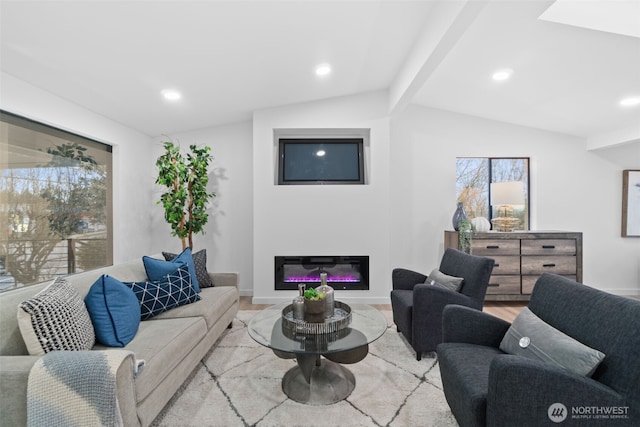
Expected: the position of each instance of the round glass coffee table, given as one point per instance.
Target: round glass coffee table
(319, 377)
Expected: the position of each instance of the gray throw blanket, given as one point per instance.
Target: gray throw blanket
(76, 388)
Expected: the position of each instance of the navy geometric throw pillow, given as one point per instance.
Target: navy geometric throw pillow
(172, 291)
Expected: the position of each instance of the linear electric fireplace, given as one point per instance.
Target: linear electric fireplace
(343, 272)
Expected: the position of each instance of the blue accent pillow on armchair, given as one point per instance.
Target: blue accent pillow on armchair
(157, 269)
(114, 311)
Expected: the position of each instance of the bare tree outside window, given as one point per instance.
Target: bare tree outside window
(474, 176)
(54, 203)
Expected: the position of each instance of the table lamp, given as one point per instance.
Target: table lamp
(503, 196)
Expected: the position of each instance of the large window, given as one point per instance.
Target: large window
(55, 203)
(474, 176)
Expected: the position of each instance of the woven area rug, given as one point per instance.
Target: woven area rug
(239, 384)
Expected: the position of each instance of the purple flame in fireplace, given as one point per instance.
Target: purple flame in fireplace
(315, 279)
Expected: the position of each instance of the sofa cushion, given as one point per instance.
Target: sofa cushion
(437, 278)
(157, 269)
(114, 311)
(56, 318)
(173, 290)
(200, 265)
(163, 344)
(214, 302)
(531, 337)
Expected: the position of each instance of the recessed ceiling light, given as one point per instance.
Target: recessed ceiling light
(171, 94)
(323, 70)
(320, 153)
(501, 75)
(630, 101)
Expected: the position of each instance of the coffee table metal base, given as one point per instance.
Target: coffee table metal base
(327, 383)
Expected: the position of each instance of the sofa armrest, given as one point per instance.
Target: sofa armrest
(436, 298)
(467, 325)
(14, 374)
(126, 392)
(404, 279)
(224, 279)
(521, 391)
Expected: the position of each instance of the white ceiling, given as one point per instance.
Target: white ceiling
(230, 58)
(565, 78)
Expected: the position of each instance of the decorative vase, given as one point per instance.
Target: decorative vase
(298, 303)
(314, 310)
(458, 216)
(328, 294)
(481, 224)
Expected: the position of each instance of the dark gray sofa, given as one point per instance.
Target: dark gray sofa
(486, 387)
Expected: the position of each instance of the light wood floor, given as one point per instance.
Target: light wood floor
(504, 310)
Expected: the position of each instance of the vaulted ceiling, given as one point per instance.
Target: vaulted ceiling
(230, 58)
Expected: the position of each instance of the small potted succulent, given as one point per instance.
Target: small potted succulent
(314, 306)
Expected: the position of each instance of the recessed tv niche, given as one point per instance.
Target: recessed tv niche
(319, 161)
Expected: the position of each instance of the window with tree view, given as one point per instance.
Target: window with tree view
(474, 176)
(55, 203)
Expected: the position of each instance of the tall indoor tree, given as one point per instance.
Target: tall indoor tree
(186, 198)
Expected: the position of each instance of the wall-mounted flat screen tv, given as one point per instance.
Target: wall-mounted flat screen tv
(320, 161)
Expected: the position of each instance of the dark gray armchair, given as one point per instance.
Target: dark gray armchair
(417, 306)
(487, 387)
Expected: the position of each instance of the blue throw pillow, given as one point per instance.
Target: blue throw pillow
(114, 311)
(200, 264)
(159, 296)
(157, 269)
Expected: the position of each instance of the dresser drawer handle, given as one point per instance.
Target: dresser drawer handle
(493, 285)
(496, 265)
(548, 246)
(493, 247)
(548, 265)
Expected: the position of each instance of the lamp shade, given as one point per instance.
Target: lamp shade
(507, 193)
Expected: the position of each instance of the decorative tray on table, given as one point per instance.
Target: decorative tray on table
(341, 319)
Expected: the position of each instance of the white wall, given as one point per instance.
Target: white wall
(322, 220)
(572, 189)
(228, 235)
(398, 219)
(132, 166)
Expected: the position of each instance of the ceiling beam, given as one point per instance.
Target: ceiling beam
(614, 138)
(446, 23)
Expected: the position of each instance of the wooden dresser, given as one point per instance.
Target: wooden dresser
(522, 256)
